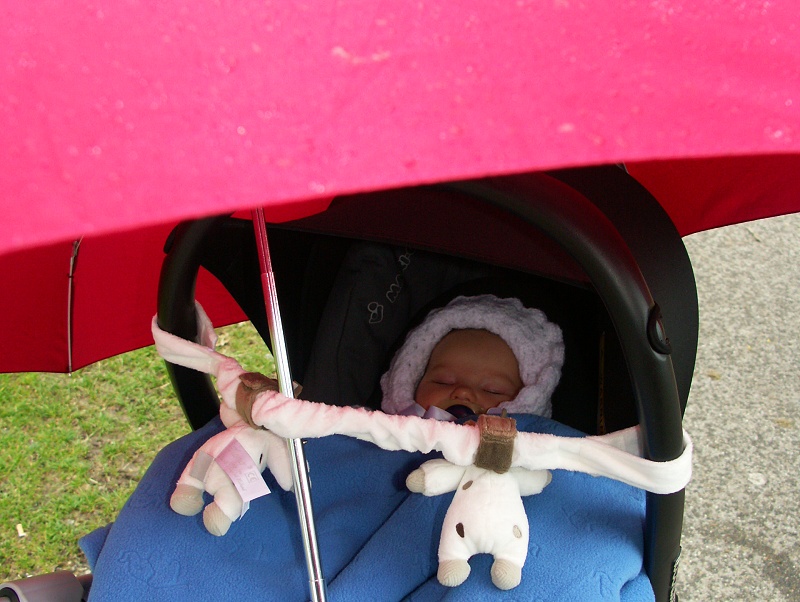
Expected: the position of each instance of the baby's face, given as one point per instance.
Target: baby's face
(474, 368)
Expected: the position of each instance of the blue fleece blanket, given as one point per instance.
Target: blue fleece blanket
(377, 540)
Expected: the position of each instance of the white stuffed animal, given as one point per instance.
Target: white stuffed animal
(486, 514)
(229, 465)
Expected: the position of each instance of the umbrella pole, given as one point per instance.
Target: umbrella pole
(302, 485)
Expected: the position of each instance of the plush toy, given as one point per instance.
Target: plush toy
(486, 514)
(229, 465)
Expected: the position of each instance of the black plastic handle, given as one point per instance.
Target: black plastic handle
(176, 314)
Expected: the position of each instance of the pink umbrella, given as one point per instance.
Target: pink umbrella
(128, 117)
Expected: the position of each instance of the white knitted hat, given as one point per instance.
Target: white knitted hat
(536, 342)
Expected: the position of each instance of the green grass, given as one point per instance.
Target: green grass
(73, 447)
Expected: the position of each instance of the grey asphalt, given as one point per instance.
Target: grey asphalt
(741, 538)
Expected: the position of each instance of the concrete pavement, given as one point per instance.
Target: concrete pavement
(741, 536)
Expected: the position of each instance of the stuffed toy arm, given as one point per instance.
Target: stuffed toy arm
(531, 482)
(228, 466)
(435, 477)
(294, 418)
(616, 455)
(439, 476)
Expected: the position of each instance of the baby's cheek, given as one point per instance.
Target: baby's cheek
(489, 401)
(422, 396)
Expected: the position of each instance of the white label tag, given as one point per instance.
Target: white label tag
(243, 472)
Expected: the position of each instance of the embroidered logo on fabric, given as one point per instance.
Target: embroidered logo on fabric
(376, 309)
(375, 312)
(397, 286)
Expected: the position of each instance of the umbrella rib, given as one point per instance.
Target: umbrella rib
(73, 262)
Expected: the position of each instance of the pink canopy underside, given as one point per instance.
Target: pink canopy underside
(120, 118)
(123, 114)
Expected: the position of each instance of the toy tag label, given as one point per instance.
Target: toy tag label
(243, 472)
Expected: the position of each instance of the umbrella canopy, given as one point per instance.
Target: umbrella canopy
(118, 119)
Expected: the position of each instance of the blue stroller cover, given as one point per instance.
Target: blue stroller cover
(377, 540)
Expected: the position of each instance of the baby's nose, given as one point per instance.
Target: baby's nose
(462, 392)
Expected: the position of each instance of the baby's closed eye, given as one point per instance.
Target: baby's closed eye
(498, 388)
(441, 377)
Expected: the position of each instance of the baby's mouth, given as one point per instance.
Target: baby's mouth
(460, 408)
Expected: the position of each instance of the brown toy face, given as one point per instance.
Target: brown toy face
(471, 368)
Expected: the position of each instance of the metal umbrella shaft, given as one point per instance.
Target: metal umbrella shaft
(302, 485)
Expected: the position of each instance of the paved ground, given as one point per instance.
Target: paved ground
(742, 527)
